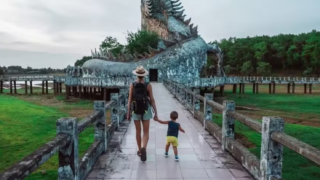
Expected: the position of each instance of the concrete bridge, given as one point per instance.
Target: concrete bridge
(206, 151)
(201, 156)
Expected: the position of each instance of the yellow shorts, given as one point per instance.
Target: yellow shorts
(172, 140)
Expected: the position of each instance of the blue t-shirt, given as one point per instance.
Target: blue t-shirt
(173, 129)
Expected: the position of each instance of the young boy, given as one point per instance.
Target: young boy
(172, 134)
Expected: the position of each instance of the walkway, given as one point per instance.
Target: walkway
(201, 157)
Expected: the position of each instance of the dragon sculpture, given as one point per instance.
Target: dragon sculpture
(181, 51)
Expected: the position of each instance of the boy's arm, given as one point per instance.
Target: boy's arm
(182, 130)
(162, 122)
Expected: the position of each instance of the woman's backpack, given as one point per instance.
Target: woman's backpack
(140, 98)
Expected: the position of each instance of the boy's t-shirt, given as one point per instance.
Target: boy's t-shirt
(173, 129)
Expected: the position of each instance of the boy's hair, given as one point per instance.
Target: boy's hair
(174, 115)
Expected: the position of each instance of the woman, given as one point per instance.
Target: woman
(141, 96)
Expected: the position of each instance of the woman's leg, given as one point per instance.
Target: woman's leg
(145, 125)
(138, 133)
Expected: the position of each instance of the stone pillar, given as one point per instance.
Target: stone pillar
(196, 101)
(105, 93)
(94, 93)
(293, 87)
(42, 87)
(54, 87)
(310, 88)
(31, 87)
(234, 88)
(115, 108)
(1, 86)
(68, 155)
(271, 151)
(254, 88)
(90, 92)
(60, 86)
(221, 91)
(15, 86)
(26, 87)
(274, 88)
(46, 86)
(243, 88)
(80, 92)
(208, 110)
(10, 86)
(67, 92)
(269, 88)
(100, 123)
(227, 123)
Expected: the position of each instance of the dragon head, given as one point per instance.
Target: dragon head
(166, 18)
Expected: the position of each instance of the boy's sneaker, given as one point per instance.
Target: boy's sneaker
(176, 158)
(166, 154)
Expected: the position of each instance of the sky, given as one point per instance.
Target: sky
(42, 33)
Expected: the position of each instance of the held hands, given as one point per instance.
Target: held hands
(156, 117)
(128, 116)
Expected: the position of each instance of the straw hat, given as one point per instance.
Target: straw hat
(140, 71)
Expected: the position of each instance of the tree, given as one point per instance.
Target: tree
(80, 62)
(139, 41)
(1, 71)
(247, 68)
(111, 44)
(263, 68)
(260, 50)
(228, 69)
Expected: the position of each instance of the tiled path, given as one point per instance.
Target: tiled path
(201, 157)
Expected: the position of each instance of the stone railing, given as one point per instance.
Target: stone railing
(220, 81)
(99, 82)
(271, 128)
(71, 166)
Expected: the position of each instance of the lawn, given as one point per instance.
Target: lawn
(295, 167)
(26, 126)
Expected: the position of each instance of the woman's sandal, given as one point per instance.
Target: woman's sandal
(138, 153)
(143, 154)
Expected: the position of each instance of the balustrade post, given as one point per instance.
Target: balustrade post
(31, 87)
(196, 101)
(15, 86)
(1, 86)
(293, 87)
(10, 86)
(100, 133)
(228, 123)
(68, 155)
(115, 109)
(46, 86)
(208, 110)
(271, 151)
(42, 87)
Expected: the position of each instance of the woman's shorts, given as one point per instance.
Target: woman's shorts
(146, 116)
(172, 140)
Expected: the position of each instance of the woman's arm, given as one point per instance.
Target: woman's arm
(129, 102)
(152, 101)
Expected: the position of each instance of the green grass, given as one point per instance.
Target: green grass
(295, 166)
(307, 104)
(25, 126)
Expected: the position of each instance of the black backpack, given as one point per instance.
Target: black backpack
(140, 98)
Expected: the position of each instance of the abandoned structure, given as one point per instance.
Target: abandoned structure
(181, 53)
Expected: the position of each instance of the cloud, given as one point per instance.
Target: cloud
(70, 29)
